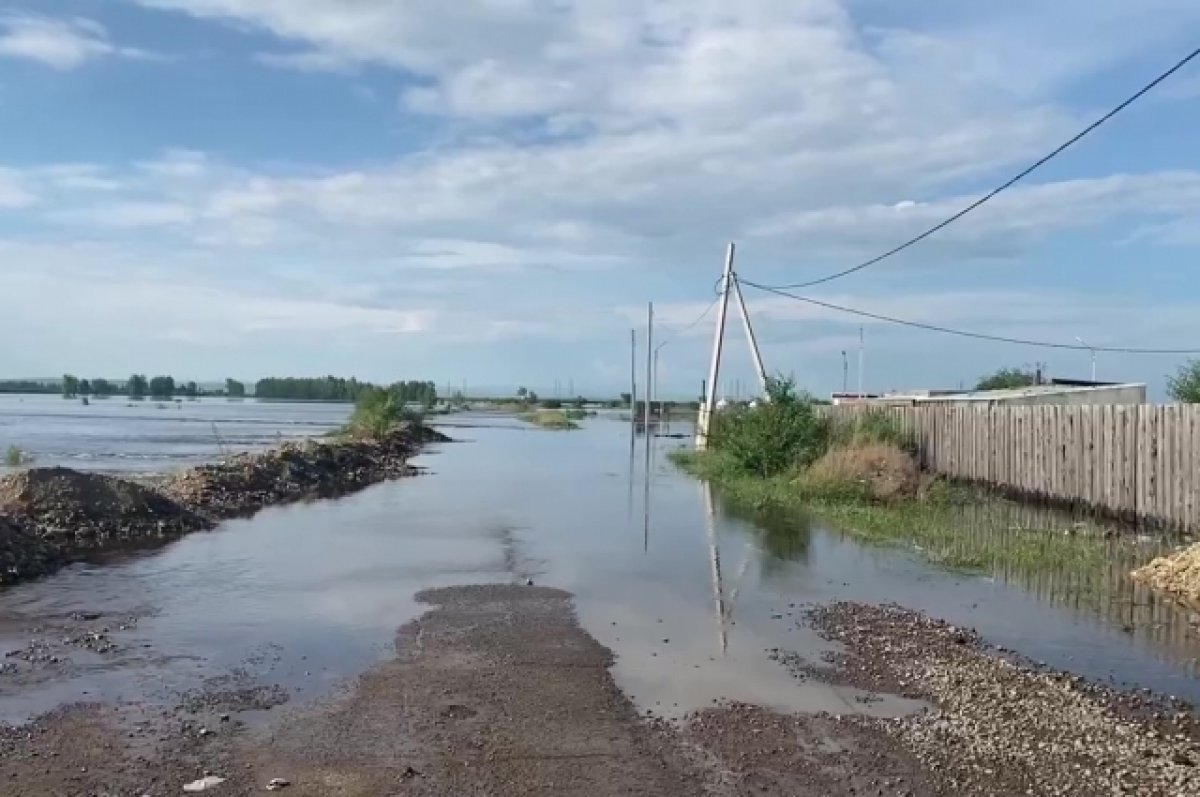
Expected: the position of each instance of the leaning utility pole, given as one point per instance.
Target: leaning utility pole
(755, 354)
(704, 422)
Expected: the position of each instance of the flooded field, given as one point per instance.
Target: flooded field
(115, 434)
(691, 594)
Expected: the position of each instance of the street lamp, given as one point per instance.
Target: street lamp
(1087, 345)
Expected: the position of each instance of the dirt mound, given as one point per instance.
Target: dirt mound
(23, 554)
(882, 471)
(88, 509)
(1177, 574)
(247, 482)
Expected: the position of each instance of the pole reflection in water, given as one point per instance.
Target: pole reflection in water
(714, 555)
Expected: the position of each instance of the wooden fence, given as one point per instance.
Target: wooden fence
(1139, 462)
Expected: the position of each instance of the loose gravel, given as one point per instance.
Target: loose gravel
(1001, 725)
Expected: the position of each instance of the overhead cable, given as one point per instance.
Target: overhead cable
(991, 194)
(964, 333)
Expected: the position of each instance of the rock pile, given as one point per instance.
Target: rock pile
(247, 482)
(1177, 574)
(48, 516)
(87, 510)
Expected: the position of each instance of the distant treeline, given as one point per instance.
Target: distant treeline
(136, 387)
(333, 388)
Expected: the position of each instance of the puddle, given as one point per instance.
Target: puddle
(308, 595)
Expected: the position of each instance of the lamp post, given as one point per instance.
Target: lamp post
(1087, 345)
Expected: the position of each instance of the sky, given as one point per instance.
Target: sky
(491, 191)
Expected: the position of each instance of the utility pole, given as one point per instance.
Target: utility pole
(649, 371)
(755, 354)
(704, 422)
(845, 373)
(633, 377)
(862, 347)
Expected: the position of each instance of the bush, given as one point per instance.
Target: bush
(552, 404)
(15, 457)
(873, 426)
(1185, 385)
(783, 433)
(377, 413)
(876, 471)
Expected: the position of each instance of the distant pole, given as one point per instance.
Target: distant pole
(649, 371)
(755, 354)
(845, 373)
(704, 423)
(862, 347)
(633, 376)
(1083, 342)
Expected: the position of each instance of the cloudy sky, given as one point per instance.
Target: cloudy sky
(491, 190)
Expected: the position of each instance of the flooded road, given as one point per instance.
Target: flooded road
(691, 596)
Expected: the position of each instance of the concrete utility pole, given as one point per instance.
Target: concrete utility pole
(845, 373)
(649, 371)
(633, 377)
(862, 348)
(1083, 342)
(704, 422)
(755, 354)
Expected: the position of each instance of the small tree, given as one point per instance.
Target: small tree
(1006, 378)
(1185, 385)
(162, 387)
(522, 392)
(101, 387)
(234, 389)
(136, 387)
(70, 386)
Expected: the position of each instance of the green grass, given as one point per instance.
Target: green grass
(15, 457)
(550, 419)
(955, 527)
(377, 413)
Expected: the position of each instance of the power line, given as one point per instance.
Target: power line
(963, 333)
(990, 195)
(692, 325)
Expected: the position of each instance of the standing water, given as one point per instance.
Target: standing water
(692, 594)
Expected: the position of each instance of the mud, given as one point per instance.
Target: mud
(50, 517)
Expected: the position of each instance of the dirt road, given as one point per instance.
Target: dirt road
(497, 690)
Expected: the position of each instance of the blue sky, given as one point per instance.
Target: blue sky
(491, 190)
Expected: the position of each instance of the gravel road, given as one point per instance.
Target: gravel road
(496, 690)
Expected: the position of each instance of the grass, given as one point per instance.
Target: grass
(15, 457)
(955, 527)
(550, 419)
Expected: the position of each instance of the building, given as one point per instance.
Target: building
(1061, 392)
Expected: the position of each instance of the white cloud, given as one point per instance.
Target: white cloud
(13, 193)
(59, 43)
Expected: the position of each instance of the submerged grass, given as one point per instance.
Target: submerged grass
(953, 526)
(550, 419)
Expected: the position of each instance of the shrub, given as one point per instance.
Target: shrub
(552, 404)
(377, 412)
(15, 457)
(783, 433)
(873, 426)
(876, 471)
(1185, 385)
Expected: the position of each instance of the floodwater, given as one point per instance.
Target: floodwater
(115, 434)
(691, 595)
